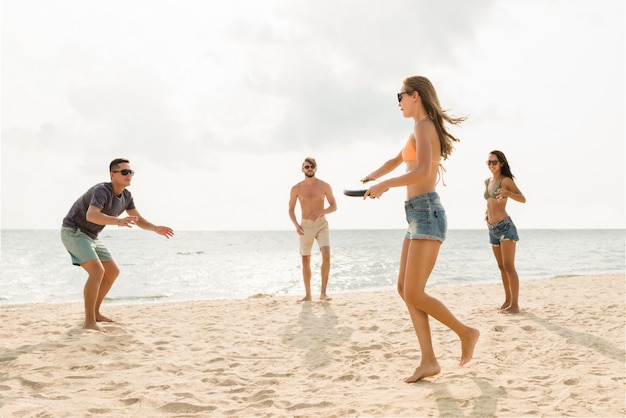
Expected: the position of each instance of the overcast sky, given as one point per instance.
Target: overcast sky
(216, 104)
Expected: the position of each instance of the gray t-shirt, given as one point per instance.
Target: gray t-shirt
(102, 196)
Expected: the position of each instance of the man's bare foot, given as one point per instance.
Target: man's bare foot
(305, 299)
(467, 346)
(102, 318)
(325, 297)
(510, 310)
(504, 306)
(423, 371)
(94, 326)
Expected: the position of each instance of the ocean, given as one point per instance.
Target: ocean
(35, 268)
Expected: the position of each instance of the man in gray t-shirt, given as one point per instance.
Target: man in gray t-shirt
(102, 205)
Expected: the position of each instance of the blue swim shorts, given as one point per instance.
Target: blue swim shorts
(504, 230)
(82, 247)
(426, 217)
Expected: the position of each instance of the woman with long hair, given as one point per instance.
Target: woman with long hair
(502, 231)
(427, 144)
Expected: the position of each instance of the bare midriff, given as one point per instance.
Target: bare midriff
(424, 185)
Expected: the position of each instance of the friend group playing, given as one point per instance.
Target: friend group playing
(428, 143)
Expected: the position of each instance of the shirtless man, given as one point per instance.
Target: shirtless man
(312, 193)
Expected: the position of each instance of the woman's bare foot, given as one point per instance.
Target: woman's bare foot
(102, 318)
(94, 326)
(423, 371)
(467, 346)
(325, 297)
(510, 310)
(305, 299)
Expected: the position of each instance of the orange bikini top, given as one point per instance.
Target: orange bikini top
(410, 154)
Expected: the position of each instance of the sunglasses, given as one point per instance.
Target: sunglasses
(308, 167)
(492, 162)
(125, 172)
(400, 95)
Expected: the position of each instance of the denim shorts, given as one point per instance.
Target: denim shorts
(504, 230)
(82, 247)
(426, 217)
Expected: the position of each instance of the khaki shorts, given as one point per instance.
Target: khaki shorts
(314, 230)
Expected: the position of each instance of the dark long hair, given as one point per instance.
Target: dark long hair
(506, 169)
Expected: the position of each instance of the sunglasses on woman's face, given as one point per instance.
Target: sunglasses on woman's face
(492, 162)
(400, 95)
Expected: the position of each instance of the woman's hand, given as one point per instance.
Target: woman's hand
(502, 193)
(376, 191)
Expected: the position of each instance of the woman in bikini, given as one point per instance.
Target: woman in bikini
(428, 143)
(502, 232)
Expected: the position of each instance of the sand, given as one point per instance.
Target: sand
(563, 355)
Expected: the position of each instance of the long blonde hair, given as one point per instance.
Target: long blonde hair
(427, 93)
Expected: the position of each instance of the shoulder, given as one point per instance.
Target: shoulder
(507, 180)
(424, 126)
(424, 133)
(103, 189)
(296, 187)
(323, 184)
(487, 180)
(106, 186)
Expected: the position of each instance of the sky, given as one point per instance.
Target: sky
(217, 103)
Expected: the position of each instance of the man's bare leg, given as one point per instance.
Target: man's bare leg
(95, 272)
(325, 271)
(111, 271)
(306, 278)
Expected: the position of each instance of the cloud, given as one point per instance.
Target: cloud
(205, 97)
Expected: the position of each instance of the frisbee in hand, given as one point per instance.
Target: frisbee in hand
(359, 189)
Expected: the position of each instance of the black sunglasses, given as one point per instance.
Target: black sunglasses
(125, 172)
(308, 167)
(492, 162)
(400, 95)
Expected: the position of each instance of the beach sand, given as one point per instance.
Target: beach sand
(270, 356)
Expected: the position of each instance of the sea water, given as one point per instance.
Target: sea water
(196, 265)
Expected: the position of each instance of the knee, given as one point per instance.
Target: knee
(94, 268)
(414, 301)
(414, 298)
(508, 266)
(112, 272)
